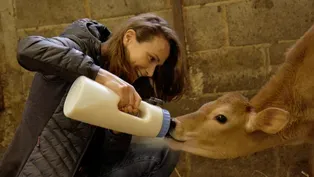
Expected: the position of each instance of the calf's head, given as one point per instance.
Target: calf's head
(228, 127)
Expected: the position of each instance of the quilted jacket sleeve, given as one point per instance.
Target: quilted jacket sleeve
(55, 56)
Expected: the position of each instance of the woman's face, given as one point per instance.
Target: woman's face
(145, 56)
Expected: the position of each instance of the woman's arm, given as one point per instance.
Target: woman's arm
(55, 56)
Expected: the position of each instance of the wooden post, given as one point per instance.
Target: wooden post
(177, 10)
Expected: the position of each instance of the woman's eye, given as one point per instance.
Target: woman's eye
(152, 59)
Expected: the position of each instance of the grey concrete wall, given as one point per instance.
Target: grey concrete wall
(231, 45)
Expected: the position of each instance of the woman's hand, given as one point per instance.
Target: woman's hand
(129, 98)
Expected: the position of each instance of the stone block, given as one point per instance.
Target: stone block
(114, 23)
(204, 28)
(10, 79)
(10, 41)
(4, 5)
(14, 101)
(199, 2)
(12, 82)
(277, 52)
(257, 165)
(113, 8)
(227, 70)
(12, 119)
(167, 15)
(43, 31)
(264, 21)
(34, 13)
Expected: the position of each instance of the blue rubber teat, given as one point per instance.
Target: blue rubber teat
(165, 123)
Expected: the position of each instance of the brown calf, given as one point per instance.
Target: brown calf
(281, 113)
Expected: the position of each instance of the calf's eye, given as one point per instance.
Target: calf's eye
(221, 118)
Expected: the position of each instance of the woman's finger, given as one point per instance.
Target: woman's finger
(138, 100)
(129, 109)
(124, 96)
(135, 112)
(131, 98)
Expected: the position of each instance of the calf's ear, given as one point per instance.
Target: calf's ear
(270, 120)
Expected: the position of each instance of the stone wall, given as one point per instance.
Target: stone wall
(231, 45)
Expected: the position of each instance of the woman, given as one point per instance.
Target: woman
(142, 59)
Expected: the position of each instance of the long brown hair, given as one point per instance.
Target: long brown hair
(170, 79)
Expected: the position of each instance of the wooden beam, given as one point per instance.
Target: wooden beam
(177, 10)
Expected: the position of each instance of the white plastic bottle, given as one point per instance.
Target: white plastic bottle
(90, 102)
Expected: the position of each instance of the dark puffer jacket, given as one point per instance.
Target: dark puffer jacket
(47, 143)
